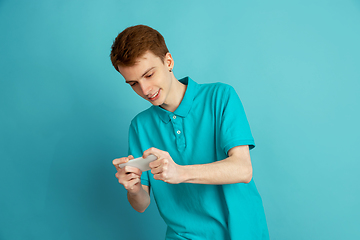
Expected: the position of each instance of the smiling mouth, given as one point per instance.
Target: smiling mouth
(155, 95)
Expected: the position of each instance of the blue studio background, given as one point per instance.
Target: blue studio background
(65, 112)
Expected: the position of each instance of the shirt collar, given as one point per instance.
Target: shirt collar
(186, 103)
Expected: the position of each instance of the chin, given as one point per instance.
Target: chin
(156, 103)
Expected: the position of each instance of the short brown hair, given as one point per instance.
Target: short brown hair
(135, 41)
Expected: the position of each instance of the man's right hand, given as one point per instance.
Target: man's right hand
(128, 176)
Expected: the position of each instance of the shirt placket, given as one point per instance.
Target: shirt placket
(177, 123)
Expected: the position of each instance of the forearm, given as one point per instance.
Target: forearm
(139, 201)
(227, 171)
(234, 169)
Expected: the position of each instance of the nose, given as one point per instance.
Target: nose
(145, 88)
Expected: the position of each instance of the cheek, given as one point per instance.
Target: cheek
(139, 92)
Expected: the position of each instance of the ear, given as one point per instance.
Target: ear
(169, 61)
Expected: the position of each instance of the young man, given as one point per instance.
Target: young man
(202, 178)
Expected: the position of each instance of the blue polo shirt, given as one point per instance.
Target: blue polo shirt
(209, 121)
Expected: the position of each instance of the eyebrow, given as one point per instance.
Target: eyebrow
(141, 75)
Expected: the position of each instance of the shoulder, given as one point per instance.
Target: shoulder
(216, 91)
(143, 117)
(217, 87)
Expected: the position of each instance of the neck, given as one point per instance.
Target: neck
(176, 95)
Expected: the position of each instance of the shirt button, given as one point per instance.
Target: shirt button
(174, 117)
(178, 132)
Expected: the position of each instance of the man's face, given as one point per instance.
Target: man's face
(150, 77)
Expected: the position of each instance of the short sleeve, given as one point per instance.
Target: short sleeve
(135, 150)
(234, 129)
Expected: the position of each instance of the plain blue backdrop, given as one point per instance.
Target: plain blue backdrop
(65, 111)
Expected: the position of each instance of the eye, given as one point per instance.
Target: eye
(150, 75)
(133, 84)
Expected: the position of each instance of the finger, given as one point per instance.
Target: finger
(130, 169)
(158, 169)
(156, 163)
(123, 178)
(160, 163)
(131, 176)
(135, 184)
(154, 151)
(123, 172)
(161, 176)
(118, 161)
(130, 184)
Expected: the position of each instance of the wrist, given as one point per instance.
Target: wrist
(134, 193)
(184, 174)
